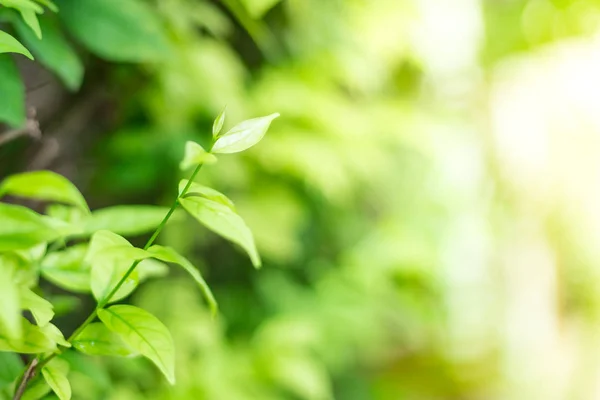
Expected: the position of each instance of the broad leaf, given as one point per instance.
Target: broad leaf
(244, 135)
(49, 4)
(40, 308)
(125, 220)
(55, 375)
(129, 30)
(144, 333)
(168, 254)
(10, 316)
(36, 390)
(30, 18)
(54, 51)
(23, 5)
(12, 101)
(53, 333)
(11, 367)
(9, 44)
(195, 155)
(197, 190)
(22, 228)
(218, 124)
(222, 220)
(33, 341)
(97, 340)
(43, 185)
(67, 269)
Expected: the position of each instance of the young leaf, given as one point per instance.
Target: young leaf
(33, 341)
(129, 30)
(67, 269)
(218, 124)
(222, 220)
(244, 135)
(144, 333)
(195, 155)
(51, 6)
(10, 317)
(55, 375)
(97, 340)
(30, 18)
(197, 190)
(23, 5)
(43, 185)
(53, 333)
(40, 308)
(168, 254)
(37, 390)
(55, 52)
(12, 101)
(9, 44)
(125, 220)
(22, 228)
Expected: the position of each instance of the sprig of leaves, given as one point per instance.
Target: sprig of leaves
(108, 266)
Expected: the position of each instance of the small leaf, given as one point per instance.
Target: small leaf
(218, 124)
(195, 155)
(55, 375)
(12, 101)
(23, 5)
(10, 317)
(97, 340)
(101, 240)
(37, 390)
(11, 367)
(33, 341)
(144, 333)
(197, 190)
(22, 228)
(244, 135)
(55, 52)
(169, 254)
(125, 220)
(40, 308)
(51, 6)
(222, 220)
(67, 269)
(30, 18)
(9, 44)
(43, 185)
(129, 30)
(53, 333)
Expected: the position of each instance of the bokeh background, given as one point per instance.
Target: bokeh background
(427, 205)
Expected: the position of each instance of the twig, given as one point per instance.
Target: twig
(29, 373)
(31, 129)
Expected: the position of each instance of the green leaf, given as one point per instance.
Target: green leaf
(11, 367)
(55, 375)
(43, 185)
(97, 340)
(222, 220)
(10, 316)
(12, 101)
(110, 262)
(195, 155)
(51, 6)
(244, 135)
(54, 52)
(36, 390)
(197, 190)
(22, 228)
(67, 269)
(218, 124)
(53, 333)
(117, 30)
(258, 8)
(169, 254)
(9, 44)
(33, 341)
(125, 220)
(40, 308)
(23, 5)
(31, 20)
(144, 333)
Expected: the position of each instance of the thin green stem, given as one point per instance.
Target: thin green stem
(35, 365)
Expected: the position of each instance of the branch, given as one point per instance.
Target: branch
(29, 373)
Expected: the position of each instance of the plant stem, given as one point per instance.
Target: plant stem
(31, 368)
